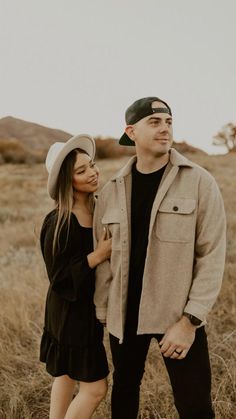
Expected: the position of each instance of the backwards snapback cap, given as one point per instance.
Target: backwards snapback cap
(139, 110)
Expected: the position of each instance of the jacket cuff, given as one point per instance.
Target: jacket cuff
(101, 314)
(196, 310)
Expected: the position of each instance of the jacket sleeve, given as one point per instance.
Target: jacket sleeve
(210, 246)
(69, 274)
(103, 271)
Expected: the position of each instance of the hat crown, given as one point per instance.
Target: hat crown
(141, 108)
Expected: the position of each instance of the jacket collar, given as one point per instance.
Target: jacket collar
(176, 159)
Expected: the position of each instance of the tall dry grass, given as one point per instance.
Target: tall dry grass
(24, 384)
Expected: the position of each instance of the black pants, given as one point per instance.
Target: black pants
(190, 378)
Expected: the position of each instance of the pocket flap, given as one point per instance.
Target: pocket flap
(178, 206)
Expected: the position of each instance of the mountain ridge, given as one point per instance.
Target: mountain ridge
(23, 141)
(33, 135)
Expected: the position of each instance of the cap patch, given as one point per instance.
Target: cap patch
(161, 110)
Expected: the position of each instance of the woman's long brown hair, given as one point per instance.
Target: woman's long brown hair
(64, 198)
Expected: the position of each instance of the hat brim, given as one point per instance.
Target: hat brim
(83, 141)
(125, 140)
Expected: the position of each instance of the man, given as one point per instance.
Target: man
(167, 222)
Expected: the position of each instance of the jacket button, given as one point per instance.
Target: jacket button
(175, 208)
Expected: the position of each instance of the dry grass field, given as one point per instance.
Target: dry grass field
(24, 384)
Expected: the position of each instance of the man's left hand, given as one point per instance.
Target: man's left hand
(178, 339)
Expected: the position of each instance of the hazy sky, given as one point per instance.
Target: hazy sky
(77, 65)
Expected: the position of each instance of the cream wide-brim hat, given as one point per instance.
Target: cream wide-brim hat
(58, 152)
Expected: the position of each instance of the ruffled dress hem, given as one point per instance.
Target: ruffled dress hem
(80, 363)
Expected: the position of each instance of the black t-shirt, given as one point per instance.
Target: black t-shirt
(144, 189)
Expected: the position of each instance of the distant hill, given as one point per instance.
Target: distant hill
(27, 142)
(33, 136)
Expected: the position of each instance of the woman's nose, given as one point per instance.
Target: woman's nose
(94, 170)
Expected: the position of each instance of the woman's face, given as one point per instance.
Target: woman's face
(85, 175)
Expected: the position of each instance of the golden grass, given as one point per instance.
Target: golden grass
(13, 150)
(24, 383)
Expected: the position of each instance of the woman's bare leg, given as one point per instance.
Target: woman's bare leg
(61, 396)
(87, 400)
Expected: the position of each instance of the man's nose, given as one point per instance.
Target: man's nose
(164, 127)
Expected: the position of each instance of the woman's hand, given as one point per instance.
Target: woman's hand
(104, 245)
(102, 251)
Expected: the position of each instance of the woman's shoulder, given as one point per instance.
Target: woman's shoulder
(51, 217)
(48, 225)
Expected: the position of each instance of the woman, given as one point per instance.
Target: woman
(71, 344)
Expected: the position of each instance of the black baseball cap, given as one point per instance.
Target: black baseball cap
(139, 110)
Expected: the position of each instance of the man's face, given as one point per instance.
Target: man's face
(152, 134)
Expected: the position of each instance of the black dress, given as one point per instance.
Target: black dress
(72, 339)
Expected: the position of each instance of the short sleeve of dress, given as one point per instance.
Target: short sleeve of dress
(68, 270)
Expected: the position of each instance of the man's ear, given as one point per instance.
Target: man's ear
(129, 130)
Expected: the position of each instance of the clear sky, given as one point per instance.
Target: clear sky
(78, 64)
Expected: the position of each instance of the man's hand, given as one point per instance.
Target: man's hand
(178, 339)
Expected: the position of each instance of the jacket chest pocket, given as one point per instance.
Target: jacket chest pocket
(175, 220)
(111, 222)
